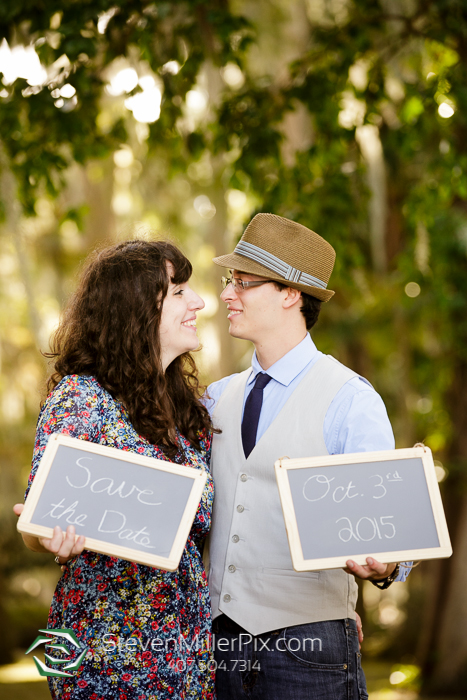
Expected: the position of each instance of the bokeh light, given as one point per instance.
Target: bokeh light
(445, 110)
(232, 76)
(146, 105)
(412, 289)
(205, 208)
(123, 82)
(21, 62)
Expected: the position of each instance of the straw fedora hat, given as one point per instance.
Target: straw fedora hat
(286, 252)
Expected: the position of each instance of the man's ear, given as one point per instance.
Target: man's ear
(293, 297)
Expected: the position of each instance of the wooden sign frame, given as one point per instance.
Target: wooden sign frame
(169, 563)
(284, 465)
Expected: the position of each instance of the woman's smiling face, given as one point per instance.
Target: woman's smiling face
(178, 321)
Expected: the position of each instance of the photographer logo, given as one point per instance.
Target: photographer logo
(58, 667)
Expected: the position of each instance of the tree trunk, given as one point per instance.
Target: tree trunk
(98, 190)
(445, 662)
(9, 194)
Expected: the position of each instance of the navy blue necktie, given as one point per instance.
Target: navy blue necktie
(252, 412)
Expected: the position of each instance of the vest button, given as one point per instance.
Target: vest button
(232, 568)
(235, 538)
(243, 477)
(227, 598)
(240, 509)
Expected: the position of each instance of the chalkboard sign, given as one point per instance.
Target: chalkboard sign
(381, 504)
(126, 505)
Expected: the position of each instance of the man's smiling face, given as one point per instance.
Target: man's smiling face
(253, 312)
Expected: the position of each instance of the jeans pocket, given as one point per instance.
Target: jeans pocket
(318, 644)
(361, 680)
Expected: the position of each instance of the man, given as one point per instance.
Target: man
(283, 634)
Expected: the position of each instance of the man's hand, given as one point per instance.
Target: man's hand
(359, 630)
(373, 570)
(66, 546)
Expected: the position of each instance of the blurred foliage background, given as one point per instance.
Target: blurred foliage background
(184, 119)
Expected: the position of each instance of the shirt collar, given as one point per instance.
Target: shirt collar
(288, 367)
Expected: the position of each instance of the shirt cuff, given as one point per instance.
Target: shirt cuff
(404, 570)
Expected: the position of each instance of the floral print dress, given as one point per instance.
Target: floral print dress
(147, 632)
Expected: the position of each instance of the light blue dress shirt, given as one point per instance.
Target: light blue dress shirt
(356, 420)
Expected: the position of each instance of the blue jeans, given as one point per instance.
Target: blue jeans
(320, 660)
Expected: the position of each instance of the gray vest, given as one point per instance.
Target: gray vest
(251, 577)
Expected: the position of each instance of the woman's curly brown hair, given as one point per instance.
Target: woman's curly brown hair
(110, 330)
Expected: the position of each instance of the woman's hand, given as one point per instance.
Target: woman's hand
(63, 545)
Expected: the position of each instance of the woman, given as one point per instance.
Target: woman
(123, 378)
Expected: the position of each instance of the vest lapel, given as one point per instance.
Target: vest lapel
(305, 386)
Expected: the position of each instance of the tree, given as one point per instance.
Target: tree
(93, 96)
(385, 85)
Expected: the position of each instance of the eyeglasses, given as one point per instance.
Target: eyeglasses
(240, 285)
